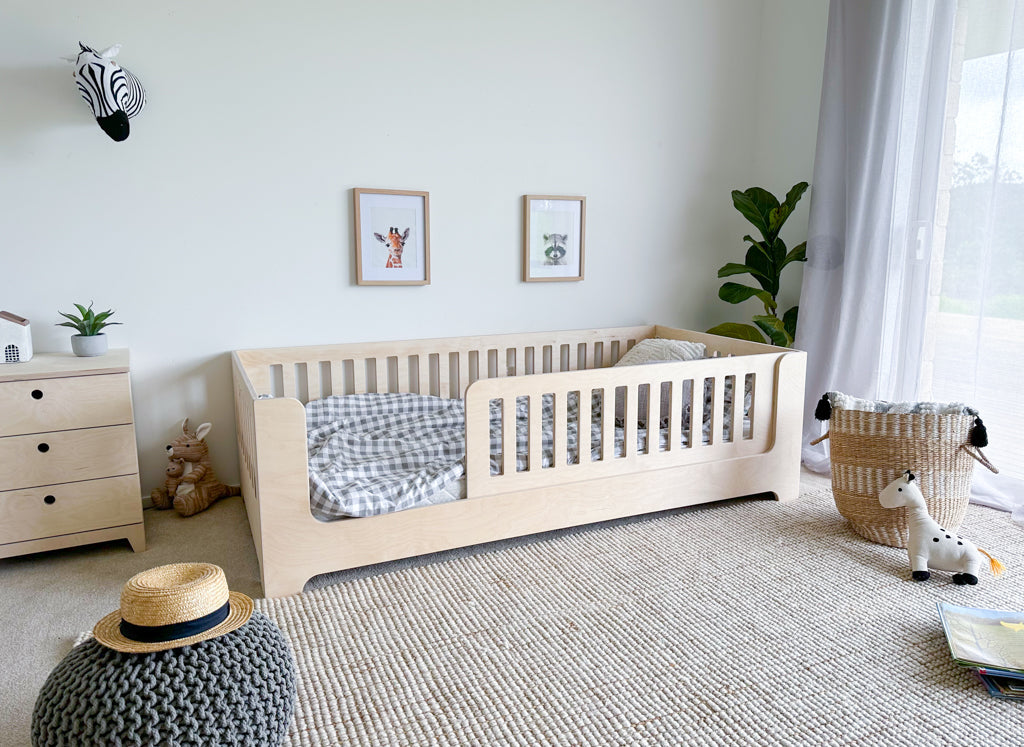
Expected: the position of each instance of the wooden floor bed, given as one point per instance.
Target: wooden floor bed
(753, 447)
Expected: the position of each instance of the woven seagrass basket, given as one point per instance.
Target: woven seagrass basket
(870, 449)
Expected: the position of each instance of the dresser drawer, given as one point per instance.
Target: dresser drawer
(64, 509)
(66, 456)
(41, 405)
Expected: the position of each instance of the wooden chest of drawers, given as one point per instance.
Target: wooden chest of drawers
(69, 472)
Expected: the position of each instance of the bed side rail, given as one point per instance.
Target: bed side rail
(545, 455)
(442, 367)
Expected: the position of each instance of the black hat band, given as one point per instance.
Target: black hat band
(174, 631)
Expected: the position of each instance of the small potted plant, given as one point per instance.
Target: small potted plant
(90, 340)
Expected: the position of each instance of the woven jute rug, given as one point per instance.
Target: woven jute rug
(737, 623)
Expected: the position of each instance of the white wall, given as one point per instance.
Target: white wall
(225, 220)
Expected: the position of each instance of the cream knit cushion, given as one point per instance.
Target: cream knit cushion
(656, 350)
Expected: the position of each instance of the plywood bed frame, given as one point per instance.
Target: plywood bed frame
(271, 386)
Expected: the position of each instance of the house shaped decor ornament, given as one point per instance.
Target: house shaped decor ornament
(15, 338)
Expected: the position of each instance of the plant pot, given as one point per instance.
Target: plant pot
(86, 346)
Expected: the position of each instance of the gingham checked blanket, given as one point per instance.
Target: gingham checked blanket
(376, 453)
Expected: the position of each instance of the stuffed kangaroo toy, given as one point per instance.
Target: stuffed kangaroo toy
(191, 485)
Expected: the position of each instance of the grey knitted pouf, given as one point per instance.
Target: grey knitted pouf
(237, 689)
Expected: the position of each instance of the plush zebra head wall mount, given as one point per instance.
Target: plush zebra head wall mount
(113, 93)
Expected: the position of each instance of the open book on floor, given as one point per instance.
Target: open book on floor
(990, 642)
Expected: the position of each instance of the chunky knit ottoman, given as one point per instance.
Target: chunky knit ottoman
(237, 689)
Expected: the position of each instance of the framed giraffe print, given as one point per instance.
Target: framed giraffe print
(392, 237)
(553, 231)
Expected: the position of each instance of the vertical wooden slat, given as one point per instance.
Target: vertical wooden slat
(359, 376)
(675, 416)
(288, 380)
(753, 401)
(443, 376)
(403, 373)
(483, 364)
(696, 413)
(464, 378)
(313, 380)
(608, 424)
(654, 419)
(508, 435)
(382, 374)
(536, 453)
(738, 390)
(337, 377)
(561, 430)
(718, 403)
(520, 362)
(583, 432)
(423, 373)
(629, 445)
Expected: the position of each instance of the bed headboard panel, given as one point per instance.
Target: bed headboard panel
(442, 367)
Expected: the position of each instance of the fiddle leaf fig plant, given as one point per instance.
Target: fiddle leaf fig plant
(89, 323)
(765, 259)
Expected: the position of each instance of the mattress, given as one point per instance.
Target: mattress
(371, 454)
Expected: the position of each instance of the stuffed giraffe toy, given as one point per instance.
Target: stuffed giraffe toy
(931, 546)
(191, 485)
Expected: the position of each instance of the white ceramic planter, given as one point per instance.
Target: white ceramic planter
(86, 346)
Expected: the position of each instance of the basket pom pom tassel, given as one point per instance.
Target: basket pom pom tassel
(824, 409)
(979, 434)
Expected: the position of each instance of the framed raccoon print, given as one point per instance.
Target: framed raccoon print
(392, 237)
(553, 228)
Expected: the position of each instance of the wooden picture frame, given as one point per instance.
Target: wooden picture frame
(392, 229)
(554, 227)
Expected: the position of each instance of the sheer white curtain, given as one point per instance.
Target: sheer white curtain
(914, 284)
(863, 302)
(975, 349)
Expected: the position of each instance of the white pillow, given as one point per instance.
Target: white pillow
(655, 350)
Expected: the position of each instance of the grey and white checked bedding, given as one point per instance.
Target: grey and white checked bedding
(372, 454)
(376, 453)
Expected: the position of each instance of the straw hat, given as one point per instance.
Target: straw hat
(172, 606)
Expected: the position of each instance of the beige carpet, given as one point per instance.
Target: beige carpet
(746, 622)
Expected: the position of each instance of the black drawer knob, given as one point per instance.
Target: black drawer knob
(37, 394)
(49, 500)
(44, 447)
